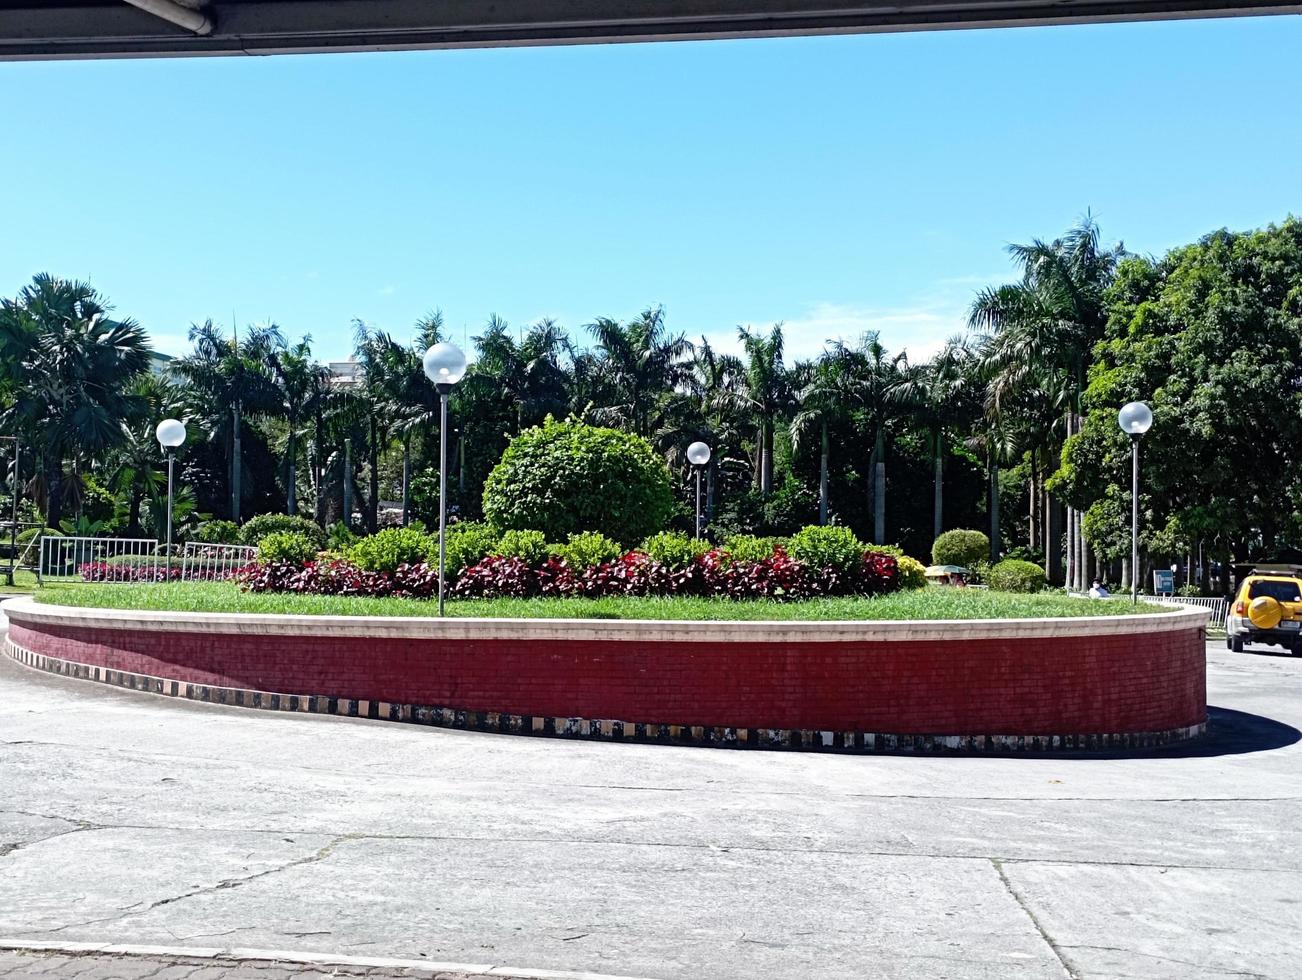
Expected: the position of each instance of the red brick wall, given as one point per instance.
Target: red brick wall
(1063, 685)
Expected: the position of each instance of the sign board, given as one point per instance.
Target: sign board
(1163, 581)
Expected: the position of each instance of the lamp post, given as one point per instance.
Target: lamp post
(13, 517)
(445, 365)
(170, 433)
(698, 454)
(1135, 418)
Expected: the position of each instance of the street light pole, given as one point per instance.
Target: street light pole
(443, 490)
(170, 433)
(1135, 418)
(13, 517)
(698, 454)
(1134, 520)
(445, 365)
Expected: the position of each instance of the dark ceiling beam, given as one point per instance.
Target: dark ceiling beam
(30, 29)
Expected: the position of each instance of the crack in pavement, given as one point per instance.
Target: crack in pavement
(227, 883)
(1068, 970)
(87, 825)
(9, 847)
(1171, 959)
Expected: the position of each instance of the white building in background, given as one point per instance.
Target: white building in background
(347, 372)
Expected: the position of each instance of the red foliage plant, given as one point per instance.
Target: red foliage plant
(634, 574)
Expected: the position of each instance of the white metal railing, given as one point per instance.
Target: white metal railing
(100, 559)
(202, 562)
(1217, 605)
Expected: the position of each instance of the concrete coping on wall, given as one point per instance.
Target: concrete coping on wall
(26, 611)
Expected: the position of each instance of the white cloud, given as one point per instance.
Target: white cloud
(388, 290)
(173, 344)
(920, 330)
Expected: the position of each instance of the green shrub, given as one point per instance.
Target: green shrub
(588, 549)
(26, 537)
(286, 546)
(960, 547)
(1015, 575)
(674, 549)
(826, 547)
(385, 550)
(216, 532)
(750, 547)
(567, 477)
(259, 527)
(528, 545)
(466, 543)
(913, 574)
(339, 537)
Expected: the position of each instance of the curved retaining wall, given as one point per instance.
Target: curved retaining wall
(1108, 682)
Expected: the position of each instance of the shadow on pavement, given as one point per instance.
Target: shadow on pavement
(1231, 732)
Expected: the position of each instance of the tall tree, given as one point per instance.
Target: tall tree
(763, 395)
(70, 368)
(642, 364)
(1044, 328)
(230, 380)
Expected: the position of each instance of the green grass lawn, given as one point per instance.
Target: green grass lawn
(923, 604)
(24, 580)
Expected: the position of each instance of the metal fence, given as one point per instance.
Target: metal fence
(137, 560)
(1217, 605)
(201, 562)
(100, 559)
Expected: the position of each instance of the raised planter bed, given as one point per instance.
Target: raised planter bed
(1082, 682)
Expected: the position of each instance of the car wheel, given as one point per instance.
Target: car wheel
(1236, 644)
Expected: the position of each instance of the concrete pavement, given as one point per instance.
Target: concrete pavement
(131, 819)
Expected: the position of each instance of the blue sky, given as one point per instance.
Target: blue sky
(838, 184)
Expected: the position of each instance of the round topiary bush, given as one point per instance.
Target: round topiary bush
(960, 547)
(565, 477)
(26, 537)
(1014, 575)
(259, 527)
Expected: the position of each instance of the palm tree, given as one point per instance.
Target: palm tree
(299, 382)
(642, 364)
(229, 379)
(937, 394)
(763, 395)
(827, 398)
(135, 472)
(1044, 328)
(874, 378)
(70, 368)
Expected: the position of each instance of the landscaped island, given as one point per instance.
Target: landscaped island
(927, 604)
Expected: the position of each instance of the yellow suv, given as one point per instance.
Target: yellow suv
(1267, 609)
